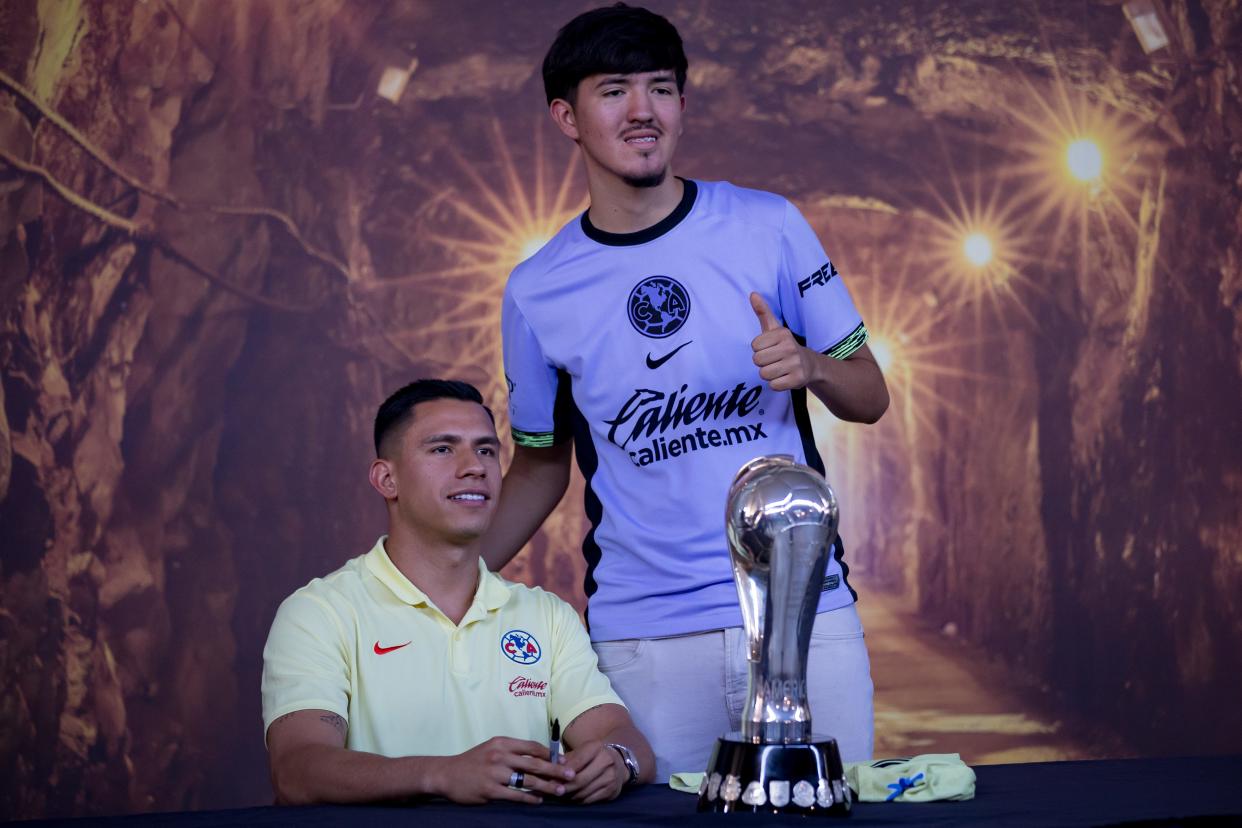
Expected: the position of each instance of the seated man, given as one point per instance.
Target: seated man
(413, 670)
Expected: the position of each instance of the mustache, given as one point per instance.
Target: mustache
(645, 128)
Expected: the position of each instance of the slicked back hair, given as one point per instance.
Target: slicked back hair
(398, 410)
(617, 39)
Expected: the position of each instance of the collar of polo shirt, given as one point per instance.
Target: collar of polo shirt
(491, 593)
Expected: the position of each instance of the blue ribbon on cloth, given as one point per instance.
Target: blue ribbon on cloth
(902, 785)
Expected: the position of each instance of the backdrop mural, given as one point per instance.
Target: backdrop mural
(228, 229)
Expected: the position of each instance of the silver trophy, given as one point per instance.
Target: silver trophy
(781, 519)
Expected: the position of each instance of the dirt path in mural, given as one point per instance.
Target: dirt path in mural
(934, 694)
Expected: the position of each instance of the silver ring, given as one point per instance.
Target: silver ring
(516, 779)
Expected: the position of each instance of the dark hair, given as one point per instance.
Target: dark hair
(398, 409)
(616, 39)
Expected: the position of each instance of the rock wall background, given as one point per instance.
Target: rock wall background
(220, 248)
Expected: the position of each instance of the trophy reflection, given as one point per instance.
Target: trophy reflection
(781, 519)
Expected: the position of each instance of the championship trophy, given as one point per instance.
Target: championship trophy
(781, 520)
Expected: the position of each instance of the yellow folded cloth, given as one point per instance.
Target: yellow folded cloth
(686, 782)
(928, 777)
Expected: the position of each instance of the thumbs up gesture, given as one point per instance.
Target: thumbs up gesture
(783, 363)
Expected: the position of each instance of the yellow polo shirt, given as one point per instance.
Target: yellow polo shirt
(368, 645)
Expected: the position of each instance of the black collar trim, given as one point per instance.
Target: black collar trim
(690, 192)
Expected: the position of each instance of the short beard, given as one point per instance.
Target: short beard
(644, 181)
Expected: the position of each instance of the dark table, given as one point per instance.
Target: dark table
(1197, 791)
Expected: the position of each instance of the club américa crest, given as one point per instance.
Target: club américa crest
(520, 646)
(658, 306)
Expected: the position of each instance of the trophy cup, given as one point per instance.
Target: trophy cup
(781, 520)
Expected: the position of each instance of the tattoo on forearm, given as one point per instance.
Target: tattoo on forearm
(334, 720)
(280, 719)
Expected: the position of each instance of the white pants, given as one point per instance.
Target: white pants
(687, 690)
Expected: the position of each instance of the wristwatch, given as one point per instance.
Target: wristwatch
(631, 763)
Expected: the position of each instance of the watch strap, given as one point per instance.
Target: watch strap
(627, 757)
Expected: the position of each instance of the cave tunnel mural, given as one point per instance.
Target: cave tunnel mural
(227, 229)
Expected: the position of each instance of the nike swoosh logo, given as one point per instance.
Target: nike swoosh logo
(656, 363)
(385, 650)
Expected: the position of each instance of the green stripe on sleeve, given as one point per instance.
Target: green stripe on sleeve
(850, 344)
(530, 440)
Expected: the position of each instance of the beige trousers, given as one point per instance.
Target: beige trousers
(687, 690)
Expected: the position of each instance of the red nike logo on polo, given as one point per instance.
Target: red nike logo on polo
(385, 650)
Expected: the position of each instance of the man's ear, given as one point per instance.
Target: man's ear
(382, 479)
(564, 118)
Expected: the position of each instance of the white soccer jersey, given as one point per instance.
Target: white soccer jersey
(638, 346)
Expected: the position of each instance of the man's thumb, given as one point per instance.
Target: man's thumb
(767, 320)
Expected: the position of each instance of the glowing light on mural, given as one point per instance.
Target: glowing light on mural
(531, 246)
(978, 249)
(1084, 160)
(486, 214)
(1073, 141)
(883, 352)
(1092, 168)
(493, 228)
(976, 244)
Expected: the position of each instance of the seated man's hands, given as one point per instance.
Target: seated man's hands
(482, 774)
(599, 773)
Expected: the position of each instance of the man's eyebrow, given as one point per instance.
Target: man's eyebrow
(610, 79)
(624, 78)
(454, 439)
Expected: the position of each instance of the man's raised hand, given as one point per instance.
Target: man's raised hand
(782, 362)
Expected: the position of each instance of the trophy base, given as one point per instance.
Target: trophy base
(799, 778)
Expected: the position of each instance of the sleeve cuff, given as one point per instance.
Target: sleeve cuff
(294, 707)
(586, 704)
(856, 339)
(531, 439)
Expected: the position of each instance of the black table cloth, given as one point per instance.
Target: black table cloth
(1197, 791)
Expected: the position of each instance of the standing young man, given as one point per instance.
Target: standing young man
(413, 670)
(669, 335)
